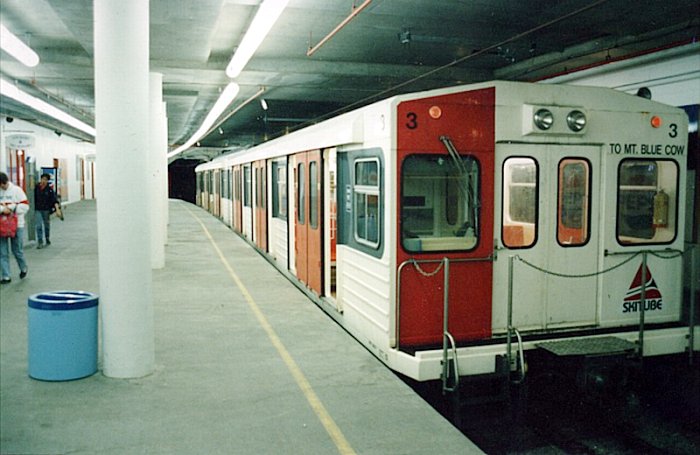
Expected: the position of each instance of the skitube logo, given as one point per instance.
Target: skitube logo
(652, 295)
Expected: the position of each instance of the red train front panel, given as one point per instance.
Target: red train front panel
(445, 209)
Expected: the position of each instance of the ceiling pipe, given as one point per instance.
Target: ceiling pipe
(238, 108)
(617, 59)
(355, 12)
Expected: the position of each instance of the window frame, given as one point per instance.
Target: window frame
(588, 201)
(444, 214)
(505, 207)
(301, 193)
(366, 191)
(673, 205)
(279, 190)
(247, 185)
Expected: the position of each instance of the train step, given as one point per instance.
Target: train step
(589, 347)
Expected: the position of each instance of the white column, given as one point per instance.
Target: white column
(164, 186)
(156, 170)
(123, 217)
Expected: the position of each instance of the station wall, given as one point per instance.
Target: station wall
(43, 147)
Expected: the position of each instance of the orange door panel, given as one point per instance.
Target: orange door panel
(308, 227)
(237, 204)
(314, 225)
(300, 215)
(260, 205)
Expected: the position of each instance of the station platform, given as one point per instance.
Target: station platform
(245, 363)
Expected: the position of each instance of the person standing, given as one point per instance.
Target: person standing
(12, 200)
(45, 202)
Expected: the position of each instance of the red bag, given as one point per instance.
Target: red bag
(8, 225)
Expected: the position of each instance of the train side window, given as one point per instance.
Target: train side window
(279, 190)
(301, 194)
(647, 201)
(439, 203)
(313, 194)
(258, 187)
(246, 186)
(366, 202)
(520, 196)
(237, 184)
(574, 202)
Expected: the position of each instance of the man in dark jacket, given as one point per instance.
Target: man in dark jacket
(44, 204)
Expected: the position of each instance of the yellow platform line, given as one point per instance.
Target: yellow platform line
(326, 420)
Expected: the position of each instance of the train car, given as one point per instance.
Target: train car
(457, 231)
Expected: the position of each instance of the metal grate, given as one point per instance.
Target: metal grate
(588, 346)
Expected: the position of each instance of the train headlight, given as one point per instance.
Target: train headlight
(543, 119)
(576, 121)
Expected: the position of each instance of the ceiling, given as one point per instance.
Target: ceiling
(390, 47)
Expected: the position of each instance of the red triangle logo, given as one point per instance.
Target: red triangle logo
(651, 291)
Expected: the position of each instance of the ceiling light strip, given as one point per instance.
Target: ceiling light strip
(226, 97)
(352, 15)
(268, 13)
(16, 48)
(238, 108)
(11, 91)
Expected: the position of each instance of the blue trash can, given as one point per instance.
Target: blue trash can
(62, 335)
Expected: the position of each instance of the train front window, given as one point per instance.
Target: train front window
(646, 201)
(440, 202)
(573, 202)
(520, 193)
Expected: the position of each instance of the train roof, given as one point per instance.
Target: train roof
(348, 128)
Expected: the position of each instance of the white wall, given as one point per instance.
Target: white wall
(672, 75)
(45, 146)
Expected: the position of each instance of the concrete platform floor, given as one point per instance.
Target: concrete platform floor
(223, 380)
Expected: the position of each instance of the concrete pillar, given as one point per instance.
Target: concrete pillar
(164, 186)
(156, 170)
(123, 217)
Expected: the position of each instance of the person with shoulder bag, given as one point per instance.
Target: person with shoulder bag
(45, 203)
(13, 204)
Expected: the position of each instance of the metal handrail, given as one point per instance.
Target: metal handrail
(445, 367)
(521, 356)
(642, 298)
(415, 262)
(644, 253)
(691, 310)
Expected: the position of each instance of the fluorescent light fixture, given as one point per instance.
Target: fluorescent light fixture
(268, 13)
(16, 48)
(226, 97)
(263, 104)
(11, 91)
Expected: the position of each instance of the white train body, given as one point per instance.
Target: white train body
(455, 198)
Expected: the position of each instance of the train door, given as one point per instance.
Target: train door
(237, 203)
(330, 220)
(81, 177)
(216, 209)
(548, 205)
(307, 227)
(260, 236)
(247, 209)
(236, 197)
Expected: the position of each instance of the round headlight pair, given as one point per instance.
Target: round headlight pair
(576, 121)
(544, 119)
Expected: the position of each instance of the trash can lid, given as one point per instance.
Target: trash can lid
(62, 300)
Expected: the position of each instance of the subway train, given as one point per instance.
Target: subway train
(458, 231)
